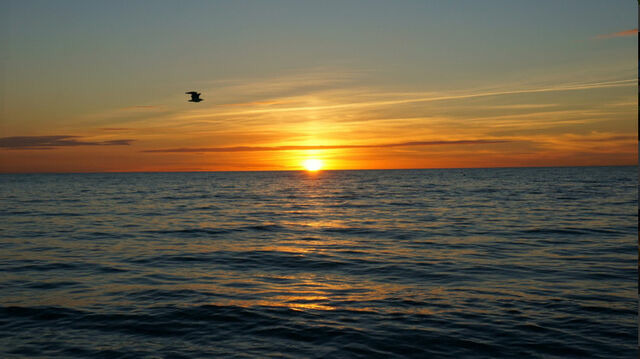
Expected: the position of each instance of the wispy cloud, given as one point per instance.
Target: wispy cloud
(52, 142)
(259, 103)
(610, 138)
(632, 32)
(519, 106)
(330, 147)
(289, 83)
(418, 99)
(140, 107)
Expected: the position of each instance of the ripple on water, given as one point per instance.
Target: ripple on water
(346, 264)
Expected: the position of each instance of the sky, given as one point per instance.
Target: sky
(99, 86)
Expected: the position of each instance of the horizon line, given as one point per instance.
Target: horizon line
(306, 171)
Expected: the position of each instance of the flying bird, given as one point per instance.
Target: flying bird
(195, 96)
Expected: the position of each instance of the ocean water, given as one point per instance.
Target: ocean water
(478, 263)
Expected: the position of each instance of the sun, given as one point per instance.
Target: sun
(312, 164)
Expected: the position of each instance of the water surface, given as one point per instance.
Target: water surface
(538, 262)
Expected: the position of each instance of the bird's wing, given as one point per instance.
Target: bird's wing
(192, 93)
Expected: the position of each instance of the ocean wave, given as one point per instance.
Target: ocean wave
(347, 264)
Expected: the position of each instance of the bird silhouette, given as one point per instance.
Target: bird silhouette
(195, 96)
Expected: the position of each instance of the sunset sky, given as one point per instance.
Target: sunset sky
(90, 86)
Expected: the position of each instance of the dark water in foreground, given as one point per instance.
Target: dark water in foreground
(351, 264)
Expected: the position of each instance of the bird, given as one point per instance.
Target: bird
(195, 96)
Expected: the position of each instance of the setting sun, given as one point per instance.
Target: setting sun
(312, 165)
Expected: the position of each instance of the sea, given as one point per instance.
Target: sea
(442, 263)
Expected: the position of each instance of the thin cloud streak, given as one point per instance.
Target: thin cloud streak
(570, 87)
(624, 33)
(291, 82)
(51, 142)
(259, 103)
(330, 147)
(610, 139)
(140, 107)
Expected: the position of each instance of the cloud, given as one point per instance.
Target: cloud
(140, 107)
(51, 142)
(259, 103)
(289, 82)
(632, 32)
(125, 142)
(610, 139)
(519, 106)
(416, 98)
(330, 147)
